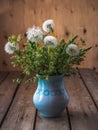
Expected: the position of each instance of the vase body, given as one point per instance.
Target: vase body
(51, 97)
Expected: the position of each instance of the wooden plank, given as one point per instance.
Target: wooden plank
(83, 113)
(70, 17)
(3, 75)
(21, 115)
(7, 90)
(91, 80)
(60, 123)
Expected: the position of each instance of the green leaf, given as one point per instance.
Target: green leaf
(73, 38)
(19, 38)
(62, 41)
(14, 43)
(18, 80)
(13, 37)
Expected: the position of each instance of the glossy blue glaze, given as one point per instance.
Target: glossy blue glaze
(51, 97)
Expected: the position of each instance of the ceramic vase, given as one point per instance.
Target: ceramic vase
(51, 96)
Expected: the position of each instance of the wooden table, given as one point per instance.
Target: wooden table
(17, 111)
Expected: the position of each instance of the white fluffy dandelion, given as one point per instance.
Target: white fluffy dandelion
(72, 50)
(34, 34)
(9, 48)
(51, 41)
(48, 25)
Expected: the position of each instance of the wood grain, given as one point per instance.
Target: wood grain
(91, 80)
(60, 123)
(70, 17)
(3, 76)
(7, 90)
(21, 115)
(83, 113)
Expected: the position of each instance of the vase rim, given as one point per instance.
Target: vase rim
(50, 76)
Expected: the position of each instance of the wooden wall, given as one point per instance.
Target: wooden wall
(70, 17)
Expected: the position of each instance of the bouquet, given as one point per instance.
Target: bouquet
(43, 53)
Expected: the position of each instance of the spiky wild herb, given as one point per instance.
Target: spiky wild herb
(47, 61)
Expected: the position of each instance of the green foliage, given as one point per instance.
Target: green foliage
(46, 61)
(18, 80)
(13, 39)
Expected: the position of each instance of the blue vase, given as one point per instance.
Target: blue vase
(51, 97)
